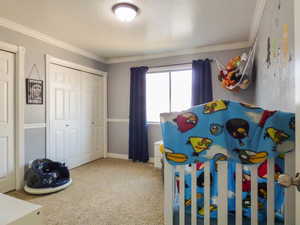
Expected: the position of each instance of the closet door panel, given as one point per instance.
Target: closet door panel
(100, 140)
(77, 126)
(59, 148)
(59, 95)
(7, 149)
(72, 149)
(86, 113)
(99, 115)
(3, 102)
(72, 119)
(64, 115)
(92, 134)
(3, 156)
(74, 108)
(57, 114)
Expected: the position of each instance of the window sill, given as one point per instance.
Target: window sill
(153, 123)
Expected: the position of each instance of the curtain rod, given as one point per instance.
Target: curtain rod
(177, 64)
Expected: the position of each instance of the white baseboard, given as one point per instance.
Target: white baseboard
(117, 156)
(123, 156)
(151, 160)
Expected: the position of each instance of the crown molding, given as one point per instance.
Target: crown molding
(47, 39)
(204, 49)
(257, 17)
(61, 62)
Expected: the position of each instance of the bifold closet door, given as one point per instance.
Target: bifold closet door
(92, 120)
(7, 152)
(76, 116)
(65, 114)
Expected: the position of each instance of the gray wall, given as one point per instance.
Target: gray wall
(275, 81)
(119, 89)
(35, 54)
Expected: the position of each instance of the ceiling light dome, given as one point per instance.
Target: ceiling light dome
(125, 12)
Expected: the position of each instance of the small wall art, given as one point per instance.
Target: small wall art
(34, 91)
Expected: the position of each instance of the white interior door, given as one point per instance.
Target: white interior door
(7, 160)
(65, 114)
(98, 117)
(92, 121)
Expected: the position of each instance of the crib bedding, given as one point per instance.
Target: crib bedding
(235, 132)
(246, 190)
(226, 130)
(213, 221)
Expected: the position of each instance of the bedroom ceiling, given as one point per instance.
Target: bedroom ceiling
(161, 26)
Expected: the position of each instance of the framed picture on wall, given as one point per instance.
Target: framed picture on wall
(34, 91)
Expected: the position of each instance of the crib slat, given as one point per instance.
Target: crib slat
(254, 197)
(289, 208)
(270, 189)
(169, 185)
(222, 193)
(194, 195)
(206, 193)
(181, 195)
(238, 194)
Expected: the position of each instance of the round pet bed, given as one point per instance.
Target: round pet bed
(46, 176)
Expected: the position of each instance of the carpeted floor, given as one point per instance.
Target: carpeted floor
(106, 192)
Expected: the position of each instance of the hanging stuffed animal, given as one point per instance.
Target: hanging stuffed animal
(231, 75)
(236, 74)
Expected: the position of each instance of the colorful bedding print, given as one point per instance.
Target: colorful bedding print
(224, 130)
(246, 189)
(236, 132)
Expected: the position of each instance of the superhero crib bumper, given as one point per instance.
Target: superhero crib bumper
(46, 176)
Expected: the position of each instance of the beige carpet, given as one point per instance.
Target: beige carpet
(106, 192)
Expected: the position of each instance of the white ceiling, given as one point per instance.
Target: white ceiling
(162, 25)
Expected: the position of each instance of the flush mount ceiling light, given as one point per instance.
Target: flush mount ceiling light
(125, 12)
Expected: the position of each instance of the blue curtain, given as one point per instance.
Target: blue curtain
(138, 134)
(201, 82)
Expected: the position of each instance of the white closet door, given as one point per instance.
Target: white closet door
(76, 116)
(65, 114)
(98, 117)
(7, 165)
(92, 116)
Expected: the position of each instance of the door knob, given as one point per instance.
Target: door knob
(288, 181)
(67, 125)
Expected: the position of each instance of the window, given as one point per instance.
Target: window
(167, 91)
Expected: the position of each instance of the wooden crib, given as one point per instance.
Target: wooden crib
(222, 200)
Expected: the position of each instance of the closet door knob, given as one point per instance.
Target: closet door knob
(67, 125)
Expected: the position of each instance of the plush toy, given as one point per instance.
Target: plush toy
(232, 74)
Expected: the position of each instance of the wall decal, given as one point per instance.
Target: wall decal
(268, 60)
(274, 51)
(285, 44)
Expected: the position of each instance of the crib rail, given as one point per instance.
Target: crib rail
(222, 199)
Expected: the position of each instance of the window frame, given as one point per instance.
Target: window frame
(169, 70)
